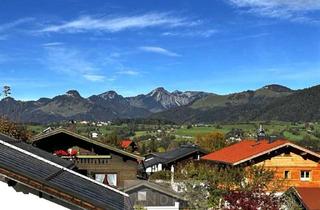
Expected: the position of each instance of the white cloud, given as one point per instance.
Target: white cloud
(116, 24)
(249, 36)
(192, 33)
(15, 23)
(52, 44)
(94, 78)
(6, 27)
(129, 72)
(159, 50)
(287, 9)
(72, 63)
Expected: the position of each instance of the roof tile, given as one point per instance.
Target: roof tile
(242, 150)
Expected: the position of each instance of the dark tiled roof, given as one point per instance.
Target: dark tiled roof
(133, 185)
(173, 155)
(83, 138)
(36, 151)
(28, 163)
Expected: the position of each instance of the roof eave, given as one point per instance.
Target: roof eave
(57, 131)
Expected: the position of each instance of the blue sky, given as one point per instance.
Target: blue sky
(48, 47)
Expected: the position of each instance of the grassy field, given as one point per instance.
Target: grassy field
(277, 128)
(294, 132)
(198, 130)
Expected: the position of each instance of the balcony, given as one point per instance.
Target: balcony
(88, 159)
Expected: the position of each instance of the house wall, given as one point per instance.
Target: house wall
(175, 207)
(125, 169)
(154, 168)
(294, 163)
(154, 198)
(181, 161)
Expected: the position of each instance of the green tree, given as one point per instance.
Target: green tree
(6, 91)
(211, 141)
(143, 149)
(113, 139)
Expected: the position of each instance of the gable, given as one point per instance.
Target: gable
(63, 139)
(288, 160)
(151, 191)
(249, 152)
(287, 155)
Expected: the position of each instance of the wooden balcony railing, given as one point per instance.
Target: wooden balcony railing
(89, 159)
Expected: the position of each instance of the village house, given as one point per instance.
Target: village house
(296, 165)
(30, 170)
(153, 196)
(306, 198)
(104, 163)
(155, 162)
(129, 145)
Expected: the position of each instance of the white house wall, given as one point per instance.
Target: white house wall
(175, 207)
(10, 199)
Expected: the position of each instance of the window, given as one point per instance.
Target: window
(287, 174)
(305, 175)
(112, 179)
(142, 196)
(108, 179)
(100, 177)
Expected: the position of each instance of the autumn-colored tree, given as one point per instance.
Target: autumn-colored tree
(211, 141)
(14, 130)
(209, 186)
(251, 200)
(257, 191)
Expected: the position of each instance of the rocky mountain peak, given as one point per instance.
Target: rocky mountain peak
(109, 95)
(159, 91)
(73, 93)
(277, 88)
(177, 92)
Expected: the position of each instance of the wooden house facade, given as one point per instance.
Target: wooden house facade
(33, 171)
(296, 165)
(104, 163)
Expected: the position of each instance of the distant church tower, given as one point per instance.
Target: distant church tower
(261, 134)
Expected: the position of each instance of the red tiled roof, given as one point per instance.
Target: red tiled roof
(310, 196)
(125, 143)
(243, 150)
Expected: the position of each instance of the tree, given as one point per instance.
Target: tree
(143, 149)
(14, 130)
(210, 186)
(251, 200)
(113, 139)
(257, 192)
(211, 141)
(6, 91)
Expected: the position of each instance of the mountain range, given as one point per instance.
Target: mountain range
(271, 102)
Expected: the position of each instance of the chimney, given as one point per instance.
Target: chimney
(272, 139)
(261, 134)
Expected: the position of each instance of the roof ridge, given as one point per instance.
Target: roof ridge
(249, 150)
(62, 130)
